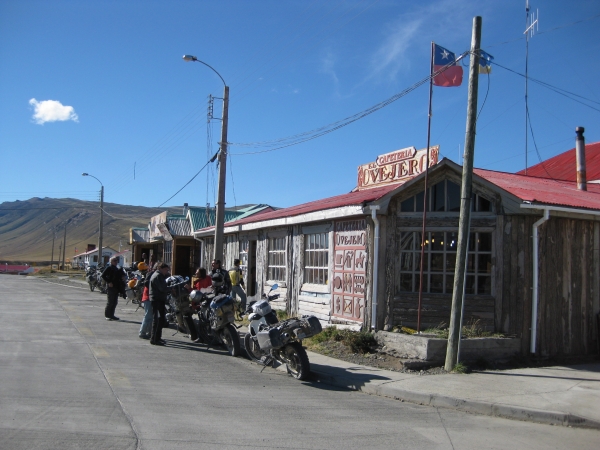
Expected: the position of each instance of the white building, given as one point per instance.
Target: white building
(90, 258)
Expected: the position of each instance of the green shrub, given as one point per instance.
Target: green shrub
(358, 341)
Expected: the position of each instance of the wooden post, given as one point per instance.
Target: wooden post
(465, 201)
(52, 257)
(64, 249)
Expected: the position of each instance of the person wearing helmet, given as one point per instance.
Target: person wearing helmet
(216, 268)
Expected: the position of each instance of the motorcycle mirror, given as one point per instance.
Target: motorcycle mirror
(274, 287)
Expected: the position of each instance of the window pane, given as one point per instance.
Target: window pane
(483, 205)
(471, 263)
(406, 261)
(406, 240)
(408, 205)
(470, 285)
(437, 240)
(450, 262)
(437, 262)
(453, 196)
(437, 284)
(406, 282)
(484, 285)
(485, 242)
(484, 263)
(419, 202)
(449, 284)
(438, 197)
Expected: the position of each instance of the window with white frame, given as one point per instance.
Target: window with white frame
(277, 259)
(168, 252)
(440, 261)
(316, 258)
(244, 245)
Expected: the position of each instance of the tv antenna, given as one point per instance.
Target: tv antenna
(531, 26)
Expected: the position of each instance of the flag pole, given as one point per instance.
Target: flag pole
(423, 240)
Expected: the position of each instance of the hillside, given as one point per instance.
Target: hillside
(27, 227)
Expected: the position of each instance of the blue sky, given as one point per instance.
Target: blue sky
(124, 98)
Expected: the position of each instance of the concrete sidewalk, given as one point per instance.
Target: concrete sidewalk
(568, 395)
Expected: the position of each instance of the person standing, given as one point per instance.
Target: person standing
(113, 276)
(158, 296)
(237, 284)
(146, 327)
(201, 279)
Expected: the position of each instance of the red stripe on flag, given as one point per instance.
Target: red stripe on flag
(450, 77)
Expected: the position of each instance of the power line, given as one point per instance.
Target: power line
(313, 134)
(558, 90)
(197, 173)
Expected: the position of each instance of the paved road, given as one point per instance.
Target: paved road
(70, 379)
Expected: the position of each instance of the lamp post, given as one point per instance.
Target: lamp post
(101, 214)
(220, 206)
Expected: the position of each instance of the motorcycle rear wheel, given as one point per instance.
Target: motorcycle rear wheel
(230, 338)
(296, 360)
(252, 348)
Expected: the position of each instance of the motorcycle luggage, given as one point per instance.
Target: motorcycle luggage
(269, 339)
(261, 307)
(308, 326)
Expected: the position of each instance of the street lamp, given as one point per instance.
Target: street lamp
(220, 206)
(101, 211)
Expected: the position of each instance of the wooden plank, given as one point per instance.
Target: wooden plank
(498, 260)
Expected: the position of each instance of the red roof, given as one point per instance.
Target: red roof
(564, 166)
(544, 190)
(350, 199)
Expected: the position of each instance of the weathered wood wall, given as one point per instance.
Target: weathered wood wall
(568, 285)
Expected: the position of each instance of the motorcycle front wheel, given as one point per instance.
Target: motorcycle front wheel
(230, 338)
(252, 348)
(92, 287)
(296, 360)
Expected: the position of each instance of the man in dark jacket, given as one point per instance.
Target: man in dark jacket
(216, 268)
(158, 296)
(113, 276)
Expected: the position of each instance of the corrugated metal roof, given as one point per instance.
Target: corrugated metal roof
(544, 190)
(564, 166)
(179, 225)
(200, 218)
(350, 199)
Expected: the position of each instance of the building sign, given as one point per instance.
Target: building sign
(154, 221)
(396, 167)
(164, 231)
(350, 269)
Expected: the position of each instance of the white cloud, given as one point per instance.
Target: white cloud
(52, 111)
(391, 56)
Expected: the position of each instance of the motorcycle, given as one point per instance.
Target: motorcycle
(216, 317)
(269, 340)
(94, 278)
(179, 311)
(135, 287)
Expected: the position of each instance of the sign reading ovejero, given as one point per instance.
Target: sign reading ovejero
(396, 167)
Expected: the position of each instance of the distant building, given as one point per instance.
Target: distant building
(90, 258)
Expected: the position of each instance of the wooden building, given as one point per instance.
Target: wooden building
(354, 259)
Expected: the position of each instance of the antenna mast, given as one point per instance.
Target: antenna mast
(531, 24)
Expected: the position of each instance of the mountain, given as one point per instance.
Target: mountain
(28, 227)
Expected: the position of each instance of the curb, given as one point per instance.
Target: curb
(471, 406)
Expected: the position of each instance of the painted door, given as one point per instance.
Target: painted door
(349, 269)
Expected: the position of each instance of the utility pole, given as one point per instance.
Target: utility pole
(220, 212)
(59, 253)
(220, 205)
(64, 247)
(465, 201)
(101, 224)
(52, 257)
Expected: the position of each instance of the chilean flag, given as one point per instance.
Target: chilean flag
(452, 75)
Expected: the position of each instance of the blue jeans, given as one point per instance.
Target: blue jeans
(238, 291)
(146, 327)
